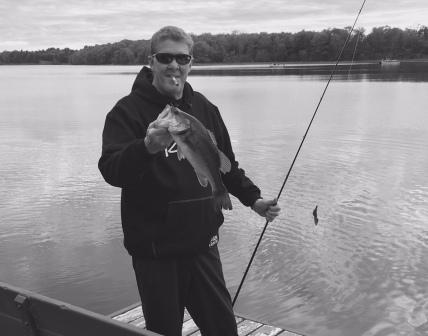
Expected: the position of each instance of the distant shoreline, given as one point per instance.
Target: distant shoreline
(382, 42)
(286, 68)
(244, 64)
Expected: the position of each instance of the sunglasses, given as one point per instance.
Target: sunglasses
(166, 58)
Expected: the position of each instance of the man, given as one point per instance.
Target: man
(170, 225)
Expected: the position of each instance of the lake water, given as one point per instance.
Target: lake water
(362, 270)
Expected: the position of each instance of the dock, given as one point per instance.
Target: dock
(23, 312)
(133, 315)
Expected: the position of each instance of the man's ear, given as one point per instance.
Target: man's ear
(150, 59)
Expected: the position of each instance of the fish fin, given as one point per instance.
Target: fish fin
(164, 112)
(225, 165)
(212, 136)
(202, 179)
(180, 154)
(222, 201)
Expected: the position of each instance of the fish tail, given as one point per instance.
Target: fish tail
(222, 201)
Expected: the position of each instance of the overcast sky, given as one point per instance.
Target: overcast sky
(40, 24)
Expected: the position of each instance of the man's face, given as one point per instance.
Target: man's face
(169, 78)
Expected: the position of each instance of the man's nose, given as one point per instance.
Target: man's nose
(173, 64)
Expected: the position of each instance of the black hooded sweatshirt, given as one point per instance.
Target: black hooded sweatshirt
(165, 211)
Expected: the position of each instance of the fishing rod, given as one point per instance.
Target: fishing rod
(298, 150)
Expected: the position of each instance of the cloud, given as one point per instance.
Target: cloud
(74, 23)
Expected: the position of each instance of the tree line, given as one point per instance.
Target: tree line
(304, 46)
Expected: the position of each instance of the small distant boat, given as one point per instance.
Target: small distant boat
(389, 62)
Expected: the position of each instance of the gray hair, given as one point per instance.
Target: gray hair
(170, 33)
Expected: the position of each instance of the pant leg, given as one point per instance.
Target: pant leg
(208, 301)
(161, 284)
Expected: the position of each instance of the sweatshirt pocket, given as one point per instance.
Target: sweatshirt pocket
(188, 228)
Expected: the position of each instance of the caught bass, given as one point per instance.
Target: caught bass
(197, 144)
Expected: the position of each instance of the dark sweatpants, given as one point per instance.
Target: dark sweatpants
(167, 286)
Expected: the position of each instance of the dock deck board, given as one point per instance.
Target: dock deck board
(246, 327)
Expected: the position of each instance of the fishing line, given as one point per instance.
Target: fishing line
(298, 151)
(353, 54)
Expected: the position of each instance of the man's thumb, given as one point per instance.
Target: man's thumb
(273, 202)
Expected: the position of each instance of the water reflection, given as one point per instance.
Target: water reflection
(360, 271)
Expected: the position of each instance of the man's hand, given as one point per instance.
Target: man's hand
(157, 136)
(266, 208)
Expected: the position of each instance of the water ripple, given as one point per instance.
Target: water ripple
(360, 271)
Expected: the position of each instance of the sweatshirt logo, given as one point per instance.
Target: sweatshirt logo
(213, 241)
(172, 149)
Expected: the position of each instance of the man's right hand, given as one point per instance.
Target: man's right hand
(157, 136)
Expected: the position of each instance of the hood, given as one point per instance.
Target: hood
(144, 88)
